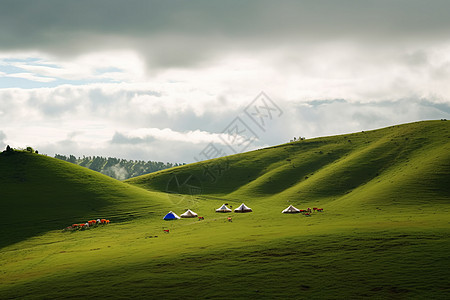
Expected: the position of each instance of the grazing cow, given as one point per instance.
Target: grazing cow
(107, 221)
(307, 214)
(166, 230)
(230, 219)
(98, 221)
(103, 221)
(320, 209)
(314, 208)
(201, 218)
(302, 210)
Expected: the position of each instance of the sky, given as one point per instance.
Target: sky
(182, 81)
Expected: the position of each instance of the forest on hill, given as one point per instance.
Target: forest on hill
(118, 168)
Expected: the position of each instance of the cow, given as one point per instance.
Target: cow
(320, 209)
(166, 230)
(314, 208)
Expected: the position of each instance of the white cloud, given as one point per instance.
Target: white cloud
(2, 140)
(169, 135)
(123, 66)
(176, 121)
(29, 76)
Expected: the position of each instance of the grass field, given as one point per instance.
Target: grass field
(384, 232)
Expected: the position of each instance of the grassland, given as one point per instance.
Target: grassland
(384, 232)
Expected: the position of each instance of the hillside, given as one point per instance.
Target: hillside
(39, 193)
(384, 232)
(407, 164)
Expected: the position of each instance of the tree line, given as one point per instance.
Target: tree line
(117, 168)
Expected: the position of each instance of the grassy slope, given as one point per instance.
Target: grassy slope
(39, 194)
(384, 165)
(384, 232)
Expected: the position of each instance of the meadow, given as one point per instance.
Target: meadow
(384, 232)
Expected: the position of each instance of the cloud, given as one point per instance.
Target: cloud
(147, 135)
(313, 118)
(120, 138)
(2, 139)
(177, 33)
(94, 66)
(29, 76)
(163, 122)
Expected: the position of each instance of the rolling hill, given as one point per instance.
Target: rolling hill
(384, 232)
(40, 193)
(406, 164)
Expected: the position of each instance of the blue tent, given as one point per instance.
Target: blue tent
(171, 216)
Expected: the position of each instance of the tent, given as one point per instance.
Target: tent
(171, 216)
(189, 214)
(223, 209)
(291, 210)
(243, 209)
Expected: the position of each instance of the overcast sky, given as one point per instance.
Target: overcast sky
(181, 81)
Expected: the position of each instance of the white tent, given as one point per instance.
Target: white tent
(189, 214)
(242, 209)
(291, 210)
(223, 209)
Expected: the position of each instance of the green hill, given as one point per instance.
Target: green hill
(384, 232)
(406, 164)
(39, 194)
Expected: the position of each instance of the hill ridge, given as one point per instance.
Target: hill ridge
(41, 193)
(324, 167)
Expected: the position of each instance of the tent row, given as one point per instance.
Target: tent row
(224, 209)
(293, 210)
(173, 216)
(241, 209)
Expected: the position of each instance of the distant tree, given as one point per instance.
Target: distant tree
(112, 166)
(8, 148)
(72, 159)
(30, 149)
(37, 152)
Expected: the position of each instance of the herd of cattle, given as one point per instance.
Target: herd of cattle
(307, 212)
(90, 223)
